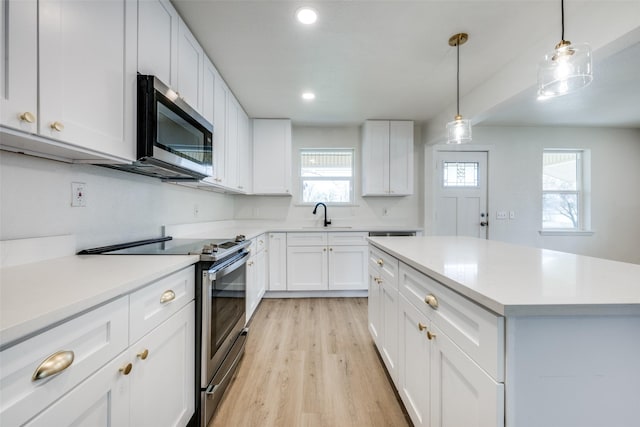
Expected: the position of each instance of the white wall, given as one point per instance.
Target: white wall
(401, 211)
(515, 177)
(35, 201)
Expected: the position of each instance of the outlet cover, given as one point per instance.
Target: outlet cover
(78, 194)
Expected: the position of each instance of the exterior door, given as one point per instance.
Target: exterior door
(461, 194)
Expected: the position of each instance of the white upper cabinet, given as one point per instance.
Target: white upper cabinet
(387, 158)
(209, 74)
(245, 153)
(231, 160)
(221, 93)
(272, 156)
(83, 67)
(158, 25)
(19, 64)
(190, 67)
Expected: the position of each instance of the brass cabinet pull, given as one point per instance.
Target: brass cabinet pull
(380, 262)
(53, 365)
(143, 354)
(57, 126)
(421, 327)
(250, 263)
(378, 280)
(126, 369)
(27, 117)
(432, 301)
(167, 296)
(431, 335)
(261, 242)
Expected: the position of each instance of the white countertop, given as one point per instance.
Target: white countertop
(516, 280)
(37, 295)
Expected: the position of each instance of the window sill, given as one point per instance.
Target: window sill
(566, 232)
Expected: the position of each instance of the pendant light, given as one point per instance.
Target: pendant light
(458, 130)
(565, 70)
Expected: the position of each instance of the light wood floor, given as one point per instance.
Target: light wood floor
(310, 362)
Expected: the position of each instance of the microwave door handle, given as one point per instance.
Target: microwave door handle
(228, 269)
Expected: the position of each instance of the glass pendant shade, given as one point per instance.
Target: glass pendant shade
(459, 131)
(567, 69)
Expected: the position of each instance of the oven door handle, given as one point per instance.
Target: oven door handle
(213, 273)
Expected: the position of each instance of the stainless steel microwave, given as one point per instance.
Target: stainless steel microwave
(174, 142)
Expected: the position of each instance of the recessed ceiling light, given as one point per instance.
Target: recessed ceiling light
(307, 15)
(308, 96)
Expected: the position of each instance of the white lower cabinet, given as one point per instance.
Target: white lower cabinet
(101, 400)
(87, 371)
(162, 376)
(277, 261)
(321, 261)
(440, 383)
(256, 275)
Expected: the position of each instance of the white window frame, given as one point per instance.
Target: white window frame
(325, 178)
(582, 194)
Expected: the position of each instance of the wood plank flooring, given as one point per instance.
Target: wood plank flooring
(310, 362)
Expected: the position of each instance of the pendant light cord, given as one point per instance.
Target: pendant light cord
(562, 15)
(458, 79)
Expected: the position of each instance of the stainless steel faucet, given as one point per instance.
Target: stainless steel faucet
(326, 221)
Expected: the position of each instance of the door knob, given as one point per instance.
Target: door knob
(484, 223)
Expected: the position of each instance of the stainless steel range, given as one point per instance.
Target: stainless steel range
(220, 308)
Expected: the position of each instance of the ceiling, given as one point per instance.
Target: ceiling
(391, 60)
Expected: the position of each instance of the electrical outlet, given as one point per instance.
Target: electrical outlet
(501, 215)
(78, 194)
(196, 210)
(385, 212)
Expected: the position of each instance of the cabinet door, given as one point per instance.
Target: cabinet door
(261, 274)
(162, 390)
(389, 327)
(374, 305)
(231, 161)
(413, 362)
(272, 156)
(307, 268)
(220, 95)
(375, 158)
(252, 287)
(208, 91)
(158, 40)
(348, 267)
(103, 399)
(190, 67)
(277, 261)
(401, 158)
(19, 64)
(462, 394)
(245, 154)
(87, 81)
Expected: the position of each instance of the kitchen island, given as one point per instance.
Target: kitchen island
(513, 335)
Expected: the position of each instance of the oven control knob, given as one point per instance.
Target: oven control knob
(240, 238)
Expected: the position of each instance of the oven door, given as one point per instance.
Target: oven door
(223, 312)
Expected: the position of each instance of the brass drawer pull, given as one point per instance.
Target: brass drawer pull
(126, 369)
(432, 301)
(143, 354)
(421, 327)
(167, 296)
(380, 262)
(431, 335)
(27, 117)
(53, 365)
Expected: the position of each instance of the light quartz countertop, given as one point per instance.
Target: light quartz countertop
(513, 280)
(38, 295)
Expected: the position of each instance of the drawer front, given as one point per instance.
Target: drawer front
(153, 304)
(385, 264)
(347, 238)
(94, 338)
(307, 239)
(478, 332)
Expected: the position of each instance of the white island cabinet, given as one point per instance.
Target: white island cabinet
(129, 362)
(492, 334)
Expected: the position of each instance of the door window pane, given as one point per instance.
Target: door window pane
(460, 174)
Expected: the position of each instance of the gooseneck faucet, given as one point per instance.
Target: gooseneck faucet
(326, 221)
